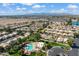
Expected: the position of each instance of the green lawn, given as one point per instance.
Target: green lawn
(52, 44)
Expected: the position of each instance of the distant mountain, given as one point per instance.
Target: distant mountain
(44, 14)
(50, 14)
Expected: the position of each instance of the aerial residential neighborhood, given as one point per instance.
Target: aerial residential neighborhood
(39, 34)
(37, 37)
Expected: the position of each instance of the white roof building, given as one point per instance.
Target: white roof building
(60, 39)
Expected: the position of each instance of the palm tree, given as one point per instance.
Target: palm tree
(2, 49)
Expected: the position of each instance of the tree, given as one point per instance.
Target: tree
(1, 30)
(8, 29)
(2, 49)
(45, 25)
(15, 50)
(70, 41)
(21, 40)
(19, 32)
(76, 35)
(11, 51)
(40, 53)
(69, 22)
(49, 27)
(33, 54)
(39, 30)
(34, 37)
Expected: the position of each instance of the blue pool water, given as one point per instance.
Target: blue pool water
(75, 23)
(29, 47)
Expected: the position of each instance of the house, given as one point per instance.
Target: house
(26, 34)
(60, 39)
(8, 42)
(46, 36)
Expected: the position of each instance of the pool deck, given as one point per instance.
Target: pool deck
(35, 46)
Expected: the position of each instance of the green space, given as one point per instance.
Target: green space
(34, 37)
(51, 44)
(15, 49)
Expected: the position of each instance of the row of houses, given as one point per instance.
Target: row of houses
(58, 32)
(7, 40)
(4, 37)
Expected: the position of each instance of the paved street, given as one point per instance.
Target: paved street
(75, 49)
(77, 41)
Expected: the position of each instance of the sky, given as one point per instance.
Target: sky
(31, 8)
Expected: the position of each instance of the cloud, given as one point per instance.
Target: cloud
(30, 12)
(20, 8)
(33, 11)
(38, 6)
(29, 4)
(7, 4)
(23, 8)
(7, 7)
(72, 7)
(62, 10)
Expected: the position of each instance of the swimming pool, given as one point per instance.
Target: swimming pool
(29, 47)
(75, 23)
